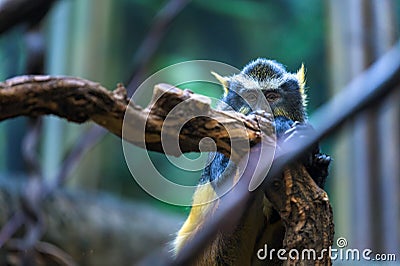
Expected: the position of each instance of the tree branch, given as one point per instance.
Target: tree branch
(75, 99)
(307, 215)
(80, 100)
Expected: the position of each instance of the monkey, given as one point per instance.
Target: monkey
(286, 96)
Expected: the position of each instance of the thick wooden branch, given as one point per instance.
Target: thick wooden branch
(80, 100)
(306, 213)
(75, 99)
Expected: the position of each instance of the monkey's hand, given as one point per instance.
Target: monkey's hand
(264, 120)
(318, 169)
(316, 163)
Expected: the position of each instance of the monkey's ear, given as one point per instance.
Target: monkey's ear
(301, 77)
(223, 80)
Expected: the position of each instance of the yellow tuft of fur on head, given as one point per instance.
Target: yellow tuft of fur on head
(301, 77)
(223, 80)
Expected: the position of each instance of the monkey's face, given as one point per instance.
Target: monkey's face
(286, 99)
(245, 95)
(282, 95)
(264, 84)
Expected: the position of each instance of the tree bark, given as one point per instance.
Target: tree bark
(80, 100)
(307, 216)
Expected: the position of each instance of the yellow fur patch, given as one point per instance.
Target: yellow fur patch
(244, 110)
(301, 77)
(223, 80)
(204, 193)
(281, 112)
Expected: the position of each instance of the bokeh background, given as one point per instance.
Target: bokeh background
(128, 40)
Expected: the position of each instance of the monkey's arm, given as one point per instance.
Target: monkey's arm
(315, 162)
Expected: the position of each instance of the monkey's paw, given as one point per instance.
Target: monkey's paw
(321, 162)
(316, 163)
(264, 120)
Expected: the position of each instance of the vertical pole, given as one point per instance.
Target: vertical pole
(388, 134)
(365, 169)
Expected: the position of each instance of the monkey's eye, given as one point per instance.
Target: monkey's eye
(272, 96)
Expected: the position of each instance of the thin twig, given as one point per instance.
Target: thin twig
(49, 249)
(14, 12)
(29, 145)
(83, 145)
(30, 198)
(152, 41)
(9, 229)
